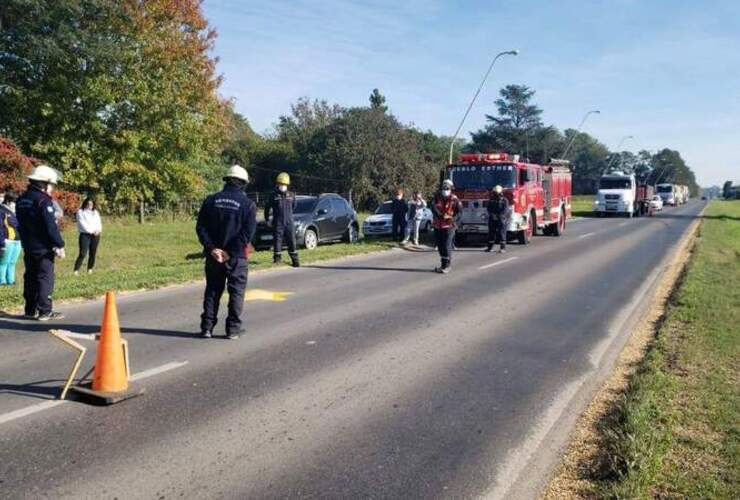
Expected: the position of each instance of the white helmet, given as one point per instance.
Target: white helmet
(237, 172)
(44, 173)
(447, 183)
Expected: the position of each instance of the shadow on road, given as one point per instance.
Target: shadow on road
(372, 268)
(31, 326)
(33, 389)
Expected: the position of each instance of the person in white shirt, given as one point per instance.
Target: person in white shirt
(415, 216)
(90, 226)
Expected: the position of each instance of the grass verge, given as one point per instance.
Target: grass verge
(582, 205)
(133, 257)
(668, 426)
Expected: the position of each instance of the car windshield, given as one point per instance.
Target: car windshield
(483, 176)
(665, 189)
(304, 205)
(615, 183)
(384, 208)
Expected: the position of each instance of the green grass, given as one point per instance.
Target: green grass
(582, 205)
(677, 432)
(155, 254)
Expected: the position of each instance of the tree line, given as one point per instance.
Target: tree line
(122, 97)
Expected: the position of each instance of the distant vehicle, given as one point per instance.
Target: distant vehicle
(703, 198)
(656, 202)
(381, 222)
(668, 193)
(617, 195)
(539, 195)
(644, 194)
(318, 219)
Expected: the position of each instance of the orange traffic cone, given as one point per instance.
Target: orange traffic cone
(110, 379)
(110, 365)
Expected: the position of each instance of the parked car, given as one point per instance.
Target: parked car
(318, 219)
(381, 222)
(656, 202)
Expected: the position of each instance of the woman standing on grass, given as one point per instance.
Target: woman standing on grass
(10, 243)
(90, 226)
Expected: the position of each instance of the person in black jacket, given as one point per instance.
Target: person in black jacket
(226, 223)
(281, 205)
(399, 209)
(498, 219)
(41, 242)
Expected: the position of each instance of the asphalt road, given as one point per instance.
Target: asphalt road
(377, 378)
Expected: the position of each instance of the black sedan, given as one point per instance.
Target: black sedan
(318, 219)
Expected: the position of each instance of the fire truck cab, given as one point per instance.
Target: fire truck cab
(539, 196)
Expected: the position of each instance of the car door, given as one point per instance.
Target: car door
(325, 219)
(341, 214)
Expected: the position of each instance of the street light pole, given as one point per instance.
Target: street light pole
(472, 101)
(578, 131)
(621, 141)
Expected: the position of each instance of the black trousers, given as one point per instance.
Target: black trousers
(445, 241)
(88, 242)
(496, 232)
(283, 233)
(232, 274)
(399, 226)
(38, 283)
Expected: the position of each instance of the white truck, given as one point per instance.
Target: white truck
(617, 195)
(669, 193)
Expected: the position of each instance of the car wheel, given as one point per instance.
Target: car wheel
(350, 236)
(310, 239)
(559, 228)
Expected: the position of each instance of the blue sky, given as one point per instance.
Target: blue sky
(665, 71)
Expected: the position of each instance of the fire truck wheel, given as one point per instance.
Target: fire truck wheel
(559, 228)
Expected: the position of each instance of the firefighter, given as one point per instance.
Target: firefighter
(41, 242)
(399, 209)
(226, 223)
(281, 204)
(447, 211)
(498, 219)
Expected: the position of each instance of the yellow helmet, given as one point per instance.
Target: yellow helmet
(283, 178)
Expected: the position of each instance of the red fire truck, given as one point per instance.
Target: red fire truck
(539, 195)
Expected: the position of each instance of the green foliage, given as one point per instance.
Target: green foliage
(726, 189)
(119, 95)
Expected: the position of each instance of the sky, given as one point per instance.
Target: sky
(666, 72)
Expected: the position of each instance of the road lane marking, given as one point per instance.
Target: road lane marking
(29, 410)
(587, 235)
(47, 405)
(622, 224)
(498, 263)
(156, 371)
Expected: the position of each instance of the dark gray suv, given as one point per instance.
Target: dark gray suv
(318, 219)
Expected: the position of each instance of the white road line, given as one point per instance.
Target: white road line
(156, 371)
(46, 405)
(622, 224)
(498, 263)
(29, 410)
(587, 235)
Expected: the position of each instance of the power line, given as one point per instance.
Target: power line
(306, 176)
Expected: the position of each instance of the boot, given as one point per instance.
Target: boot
(489, 248)
(277, 259)
(295, 261)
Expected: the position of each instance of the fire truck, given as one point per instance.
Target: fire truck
(539, 195)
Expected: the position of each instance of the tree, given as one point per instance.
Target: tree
(727, 189)
(377, 101)
(14, 167)
(120, 95)
(517, 128)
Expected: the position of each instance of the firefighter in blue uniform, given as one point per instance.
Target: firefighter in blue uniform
(498, 219)
(281, 205)
(41, 242)
(226, 224)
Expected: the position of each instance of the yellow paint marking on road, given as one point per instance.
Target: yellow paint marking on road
(258, 294)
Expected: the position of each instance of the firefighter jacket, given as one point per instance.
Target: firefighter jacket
(36, 223)
(227, 220)
(498, 208)
(442, 207)
(281, 205)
